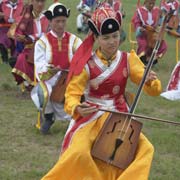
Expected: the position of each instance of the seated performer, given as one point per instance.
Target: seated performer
(30, 28)
(105, 73)
(173, 88)
(174, 5)
(84, 7)
(82, 19)
(10, 11)
(147, 15)
(53, 53)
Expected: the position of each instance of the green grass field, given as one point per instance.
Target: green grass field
(25, 154)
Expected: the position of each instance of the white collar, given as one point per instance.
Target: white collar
(11, 4)
(55, 35)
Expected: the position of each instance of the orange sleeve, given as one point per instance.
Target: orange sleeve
(74, 91)
(136, 68)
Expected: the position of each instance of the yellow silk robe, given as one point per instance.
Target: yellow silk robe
(76, 163)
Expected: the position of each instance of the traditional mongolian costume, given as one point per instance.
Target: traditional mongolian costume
(53, 50)
(31, 27)
(12, 12)
(173, 88)
(174, 22)
(106, 87)
(143, 17)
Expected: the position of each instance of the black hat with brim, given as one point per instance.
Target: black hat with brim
(56, 10)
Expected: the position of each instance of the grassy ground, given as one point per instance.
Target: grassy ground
(25, 154)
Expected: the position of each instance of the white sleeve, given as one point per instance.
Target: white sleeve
(79, 6)
(77, 42)
(40, 61)
(74, 43)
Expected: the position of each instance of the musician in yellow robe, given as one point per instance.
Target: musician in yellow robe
(104, 73)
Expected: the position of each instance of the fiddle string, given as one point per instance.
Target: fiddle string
(121, 134)
(128, 120)
(129, 123)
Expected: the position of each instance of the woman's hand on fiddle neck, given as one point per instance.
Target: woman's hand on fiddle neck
(86, 109)
(151, 76)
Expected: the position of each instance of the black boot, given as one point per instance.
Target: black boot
(79, 30)
(48, 122)
(12, 61)
(4, 53)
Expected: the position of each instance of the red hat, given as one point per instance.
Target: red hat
(103, 21)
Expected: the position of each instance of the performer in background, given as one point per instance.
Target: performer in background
(173, 88)
(105, 73)
(173, 5)
(10, 11)
(84, 7)
(82, 19)
(30, 28)
(53, 53)
(116, 5)
(90, 3)
(147, 16)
